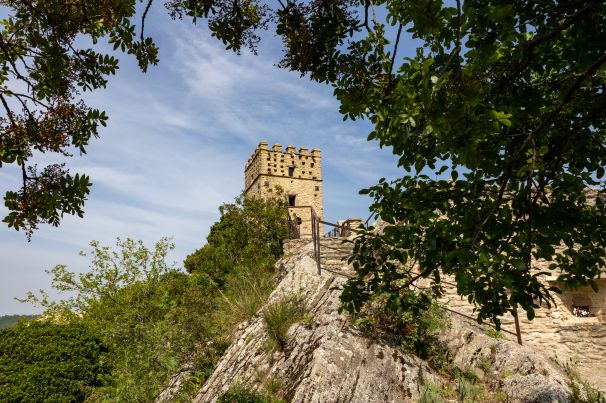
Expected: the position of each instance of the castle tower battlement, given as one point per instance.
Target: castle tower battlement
(297, 172)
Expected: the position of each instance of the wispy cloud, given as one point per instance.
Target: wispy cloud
(175, 149)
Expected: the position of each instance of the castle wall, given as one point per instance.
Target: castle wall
(556, 332)
(298, 173)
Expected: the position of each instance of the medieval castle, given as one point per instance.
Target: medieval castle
(298, 173)
(574, 329)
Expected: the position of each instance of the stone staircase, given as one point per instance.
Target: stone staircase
(334, 253)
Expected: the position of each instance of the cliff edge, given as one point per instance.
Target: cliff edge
(325, 359)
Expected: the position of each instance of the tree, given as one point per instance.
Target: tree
(505, 96)
(46, 62)
(148, 314)
(505, 99)
(43, 361)
(249, 234)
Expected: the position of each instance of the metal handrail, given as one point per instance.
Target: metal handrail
(294, 227)
(315, 235)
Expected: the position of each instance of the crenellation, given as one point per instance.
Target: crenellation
(297, 173)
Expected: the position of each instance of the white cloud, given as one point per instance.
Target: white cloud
(175, 149)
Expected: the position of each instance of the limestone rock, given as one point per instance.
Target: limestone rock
(522, 373)
(325, 360)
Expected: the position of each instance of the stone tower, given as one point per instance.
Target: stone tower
(297, 172)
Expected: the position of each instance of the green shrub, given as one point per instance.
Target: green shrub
(245, 292)
(249, 234)
(495, 334)
(415, 325)
(155, 318)
(42, 361)
(241, 394)
(281, 314)
(430, 393)
(581, 390)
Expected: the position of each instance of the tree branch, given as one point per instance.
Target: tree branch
(548, 120)
(143, 17)
(393, 57)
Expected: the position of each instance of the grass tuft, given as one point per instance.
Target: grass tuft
(281, 314)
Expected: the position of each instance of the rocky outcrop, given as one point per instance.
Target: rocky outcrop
(326, 360)
(522, 373)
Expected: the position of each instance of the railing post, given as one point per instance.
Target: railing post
(318, 240)
(517, 323)
(315, 229)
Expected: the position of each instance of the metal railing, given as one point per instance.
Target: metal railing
(294, 226)
(339, 231)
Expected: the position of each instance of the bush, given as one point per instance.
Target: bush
(154, 318)
(46, 362)
(249, 234)
(495, 334)
(280, 315)
(241, 394)
(414, 324)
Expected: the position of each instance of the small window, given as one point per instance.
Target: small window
(292, 200)
(317, 188)
(266, 184)
(291, 171)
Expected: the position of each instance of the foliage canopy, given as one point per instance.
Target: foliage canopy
(152, 319)
(498, 122)
(505, 99)
(47, 60)
(46, 362)
(248, 234)
(148, 314)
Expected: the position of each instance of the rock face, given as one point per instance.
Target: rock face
(326, 360)
(519, 371)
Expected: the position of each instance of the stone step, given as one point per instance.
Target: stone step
(334, 257)
(333, 262)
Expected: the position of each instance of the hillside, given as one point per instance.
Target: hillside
(7, 321)
(326, 358)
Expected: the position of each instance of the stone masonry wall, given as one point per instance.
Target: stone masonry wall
(556, 332)
(297, 173)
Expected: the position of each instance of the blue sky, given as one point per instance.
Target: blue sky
(175, 148)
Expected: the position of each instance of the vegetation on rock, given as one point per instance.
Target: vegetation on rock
(151, 318)
(249, 234)
(42, 361)
(241, 394)
(280, 315)
(414, 325)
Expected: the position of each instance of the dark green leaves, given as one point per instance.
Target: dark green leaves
(46, 199)
(45, 361)
(43, 68)
(249, 234)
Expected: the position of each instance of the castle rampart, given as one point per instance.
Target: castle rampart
(297, 172)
